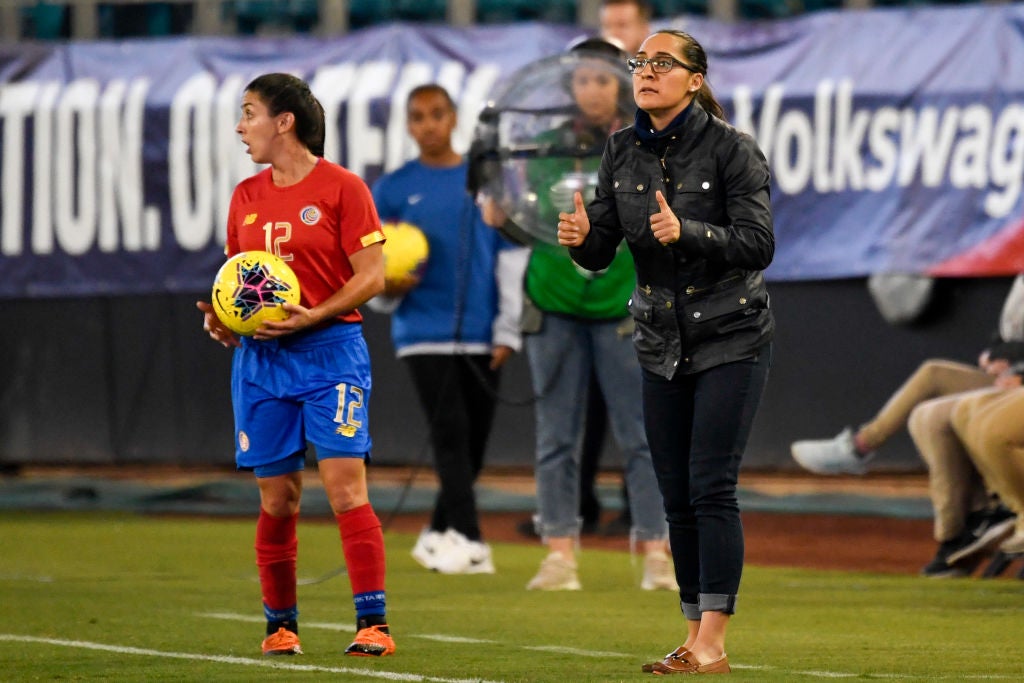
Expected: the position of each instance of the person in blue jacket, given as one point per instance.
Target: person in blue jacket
(454, 326)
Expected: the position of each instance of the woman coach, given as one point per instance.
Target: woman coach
(690, 195)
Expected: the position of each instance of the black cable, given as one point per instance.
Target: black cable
(432, 418)
(466, 241)
(403, 494)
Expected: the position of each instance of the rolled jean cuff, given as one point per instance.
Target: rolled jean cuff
(718, 602)
(559, 530)
(638, 535)
(691, 612)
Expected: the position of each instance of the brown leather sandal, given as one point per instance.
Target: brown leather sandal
(686, 663)
(678, 652)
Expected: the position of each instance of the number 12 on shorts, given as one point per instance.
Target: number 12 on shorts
(350, 399)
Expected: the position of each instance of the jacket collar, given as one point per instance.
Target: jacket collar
(688, 120)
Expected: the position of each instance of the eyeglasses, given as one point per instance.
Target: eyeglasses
(659, 65)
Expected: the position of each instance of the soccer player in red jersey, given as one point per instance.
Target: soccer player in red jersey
(306, 378)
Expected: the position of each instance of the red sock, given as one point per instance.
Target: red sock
(362, 541)
(276, 549)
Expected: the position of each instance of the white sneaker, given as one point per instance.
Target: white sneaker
(837, 455)
(658, 573)
(463, 556)
(428, 547)
(555, 574)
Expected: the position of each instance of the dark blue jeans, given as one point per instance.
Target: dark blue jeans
(697, 427)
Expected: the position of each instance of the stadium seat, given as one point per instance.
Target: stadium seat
(674, 8)
(304, 14)
(46, 21)
(769, 9)
(149, 19)
(819, 5)
(363, 13)
(421, 10)
(252, 16)
(508, 11)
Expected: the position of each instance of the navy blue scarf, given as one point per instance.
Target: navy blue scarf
(656, 138)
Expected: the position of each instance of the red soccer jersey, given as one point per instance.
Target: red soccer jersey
(314, 225)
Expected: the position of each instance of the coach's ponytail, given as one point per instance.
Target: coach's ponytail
(698, 59)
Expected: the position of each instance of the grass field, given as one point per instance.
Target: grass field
(125, 597)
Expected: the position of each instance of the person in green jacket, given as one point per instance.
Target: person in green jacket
(576, 323)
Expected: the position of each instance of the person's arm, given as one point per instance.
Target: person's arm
(217, 330)
(494, 216)
(592, 232)
(1008, 352)
(212, 325)
(506, 334)
(1011, 378)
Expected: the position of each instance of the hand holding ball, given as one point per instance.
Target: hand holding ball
(405, 257)
(251, 287)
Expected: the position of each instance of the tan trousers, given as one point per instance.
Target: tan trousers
(954, 483)
(924, 404)
(934, 378)
(991, 426)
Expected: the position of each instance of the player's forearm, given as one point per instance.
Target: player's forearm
(360, 288)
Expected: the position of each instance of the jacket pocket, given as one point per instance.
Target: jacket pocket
(696, 195)
(731, 298)
(648, 340)
(697, 183)
(631, 197)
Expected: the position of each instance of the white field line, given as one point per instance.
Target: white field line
(393, 676)
(440, 637)
(882, 676)
(243, 661)
(575, 652)
(232, 616)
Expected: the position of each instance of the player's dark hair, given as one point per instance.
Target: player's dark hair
(284, 92)
(429, 88)
(694, 55)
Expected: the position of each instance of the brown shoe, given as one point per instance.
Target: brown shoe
(687, 663)
(719, 666)
(675, 654)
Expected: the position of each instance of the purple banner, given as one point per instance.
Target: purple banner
(895, 138)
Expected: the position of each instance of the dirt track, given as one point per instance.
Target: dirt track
(824, 541)
(878, 544)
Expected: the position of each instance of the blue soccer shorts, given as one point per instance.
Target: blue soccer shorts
(311, 388)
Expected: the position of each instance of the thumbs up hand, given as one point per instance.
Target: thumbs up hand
(664, 224)
(574, 227)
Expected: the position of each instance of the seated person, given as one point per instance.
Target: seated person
(991, 427)
(966, 520)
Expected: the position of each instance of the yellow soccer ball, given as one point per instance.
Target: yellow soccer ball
(251, 287)
(405, 252)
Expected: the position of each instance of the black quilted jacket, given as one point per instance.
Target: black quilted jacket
(701, 301)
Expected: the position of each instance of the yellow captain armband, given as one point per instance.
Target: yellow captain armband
(372, 238)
